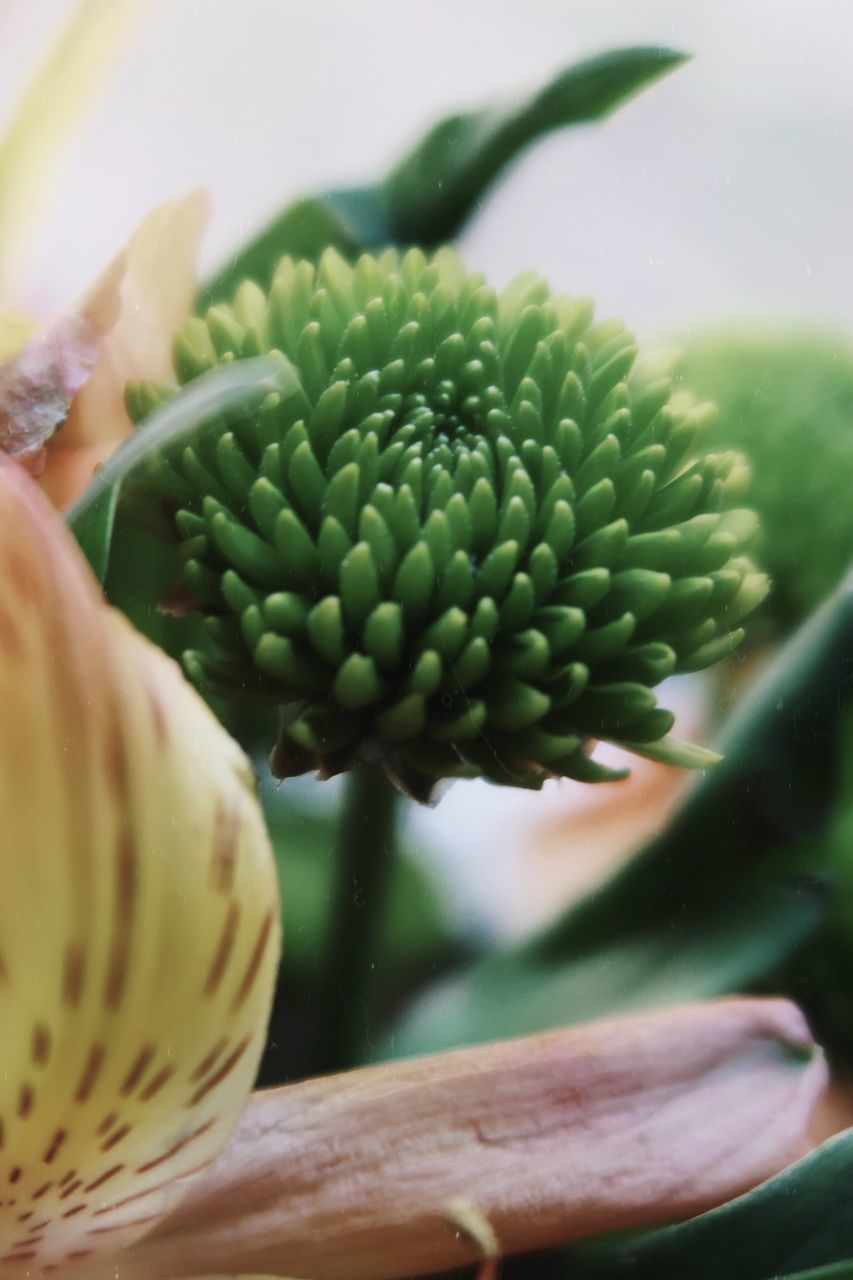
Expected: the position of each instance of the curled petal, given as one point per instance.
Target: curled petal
(571, 844)
(422, 1166)
(138, 916)
(150, 288)
(39, 382)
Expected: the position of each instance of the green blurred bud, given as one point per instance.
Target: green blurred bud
(786, 401)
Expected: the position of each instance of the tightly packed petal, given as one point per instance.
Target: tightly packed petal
(138, 912)
(470, 541)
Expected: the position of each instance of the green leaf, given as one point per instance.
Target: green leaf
(93, 529)
(348, 220)
(436, 188)
(718, 902)
(414, 929)
(844, 1271)
(231, 390)
(686, 755)
(797, 1225)
(429, 196)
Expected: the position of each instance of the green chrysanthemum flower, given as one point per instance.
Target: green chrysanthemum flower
(786, 400)
(467, 545)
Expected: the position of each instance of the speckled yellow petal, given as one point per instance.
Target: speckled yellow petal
(138, 912)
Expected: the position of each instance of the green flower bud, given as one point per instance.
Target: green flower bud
(786, 400)
(468, 544)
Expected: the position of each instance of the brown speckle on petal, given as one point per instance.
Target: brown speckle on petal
(106, 852)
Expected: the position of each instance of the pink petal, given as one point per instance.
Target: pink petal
(38, 384)
(421, 1166)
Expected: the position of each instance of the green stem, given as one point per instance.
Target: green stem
(364, 863)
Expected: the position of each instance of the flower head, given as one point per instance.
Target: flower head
(138, 911)
(468, 543)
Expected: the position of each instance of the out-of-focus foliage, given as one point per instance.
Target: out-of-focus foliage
(786, 401)
(410, 936)
(755, 865)
(415, 928)
(820, 974)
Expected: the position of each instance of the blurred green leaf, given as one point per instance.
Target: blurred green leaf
(783, 1230)
(304, 838)
(304, 230)
(820, 975)
(140, 575)
(93, 529)
(843, 1271)
(739, 880)
(428, 197)
(784, 399)
(436, 188)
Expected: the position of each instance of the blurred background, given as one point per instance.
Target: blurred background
(727, 189)
(723, 193)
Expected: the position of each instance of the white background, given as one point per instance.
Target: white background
(725, 190)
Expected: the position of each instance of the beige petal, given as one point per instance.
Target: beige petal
(426, 1165)
(138, 911)
(835, 1110)
(568, 851)
(151, 289)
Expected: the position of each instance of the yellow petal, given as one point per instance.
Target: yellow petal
(138, 913)
(15, 332)
(53, 106)
(151, 288)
